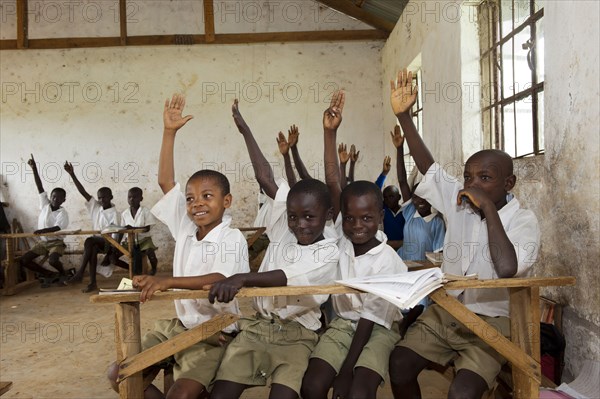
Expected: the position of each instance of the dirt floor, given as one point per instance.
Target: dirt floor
(56, 344)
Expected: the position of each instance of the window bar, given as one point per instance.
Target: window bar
(514, 83)
(534, 79)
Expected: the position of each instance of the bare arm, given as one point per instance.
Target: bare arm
(284, 148)
(150, 284)
(226, 290)
(398, 141)
(344, 157)
(36, 175)
(332, 118)
(173, 121)
(402, 99)
(262, 169)
(293, 135)
(71, 172)
(353, 158)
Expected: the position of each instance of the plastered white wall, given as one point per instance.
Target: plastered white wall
(562, 186)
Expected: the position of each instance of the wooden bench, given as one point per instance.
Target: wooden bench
(522, 350)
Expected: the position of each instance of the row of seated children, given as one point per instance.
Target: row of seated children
(280, 343)
(53, 218)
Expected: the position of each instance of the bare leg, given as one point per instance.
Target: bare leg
(227, 390)
(467, 385)
(405, 367)
(317, 380)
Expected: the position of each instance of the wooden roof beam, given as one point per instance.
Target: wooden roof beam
(349, 8)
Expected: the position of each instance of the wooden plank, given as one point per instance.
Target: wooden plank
(15, 289)
(12, 271)
(130, 241)
(53, 234)
(525, 332)
(115, 244)
(155, 354)
(123, 22)
(22, 24)
(252, 239)
(128, 345)
(479, 327)
(512, 282)
(348, 8)
(244, 293)
(209, 21)
(5, 386)
(10, 44)
(304, 36)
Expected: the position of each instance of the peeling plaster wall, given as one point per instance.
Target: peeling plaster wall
(102, 110)
(562, 187)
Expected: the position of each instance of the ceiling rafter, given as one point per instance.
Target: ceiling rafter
(352, 10)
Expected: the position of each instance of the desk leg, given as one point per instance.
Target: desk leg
(128, 337)
(130, 238)
(525, 332)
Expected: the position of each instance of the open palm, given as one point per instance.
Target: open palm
(404, 94)
(172, 114)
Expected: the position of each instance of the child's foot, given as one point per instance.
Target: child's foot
(73, 280)
(90, 288)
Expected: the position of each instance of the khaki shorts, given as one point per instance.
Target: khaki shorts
(49, 247)
(268, 348)
(439, 337)
(145, 244)
(198, 362)
(335, 342)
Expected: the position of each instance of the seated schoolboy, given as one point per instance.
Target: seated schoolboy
(393, 219)
(488, 233)
(103, 214)
(207, 250)
(53, 217)
(277, 342)
(352, 355)
(139, 216)
(424, 230)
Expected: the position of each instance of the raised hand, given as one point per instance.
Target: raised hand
(293, 134)
(404, 94)
(332, 117)
(172, 114)
(31, 162)
(387, 165)
(343, 153)
(69, 167)
(284, 146)
(353, 153)
(238, 119)
(397, 137)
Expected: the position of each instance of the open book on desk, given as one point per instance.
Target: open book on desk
(405, 290)
(126, 285)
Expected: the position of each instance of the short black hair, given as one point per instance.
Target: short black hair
(360, 188)
(106, 190)
(59, 190)
(313, 187)
(217, 177)
(504, 160)
(137, 190)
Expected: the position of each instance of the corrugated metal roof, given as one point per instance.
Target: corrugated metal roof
(389, 10)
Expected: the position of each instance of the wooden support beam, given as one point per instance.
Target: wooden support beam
(512, 282)
(123, 21)
(22, 24)
(115, 244)
(209, 21)
(127, 334)
(349, 8)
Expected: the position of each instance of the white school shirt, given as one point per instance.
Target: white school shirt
(223, 250)
(314, 264)
(101, 218)
(50, 218)
(143, 218)
(382, 259)
(466, 248)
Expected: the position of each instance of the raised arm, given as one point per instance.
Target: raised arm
(344, 157)
(293, 135)
(71, 172)
(402, 99)
(173, 121)
(36, 175)
(262, 169)
(332, 118)
(398, 141)
(353, 158)
(284, 149)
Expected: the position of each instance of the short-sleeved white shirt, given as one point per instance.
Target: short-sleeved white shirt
(314, 264)
(466, 246)
(382, 259)
(223, 250)
(143, 218)
(101, 218)
(50, 218)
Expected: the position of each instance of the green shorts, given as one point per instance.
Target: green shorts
(145, 244)
(198, 362)
(49, 247)
(335, 342)
(268, 348)
(439, 337)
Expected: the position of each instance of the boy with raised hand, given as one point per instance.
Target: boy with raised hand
(488, 233)
(284, 149)
(352, 355)
(53, 217)
(207, 250)
(277, 342)
(103, 214)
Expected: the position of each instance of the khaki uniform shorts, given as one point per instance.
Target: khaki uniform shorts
(335, 343)
(268, 348)
(145, 244)
(198, 362)
(439, 337)
(49, 247)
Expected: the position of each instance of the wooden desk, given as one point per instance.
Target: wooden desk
(11, 284)
(522, 351)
